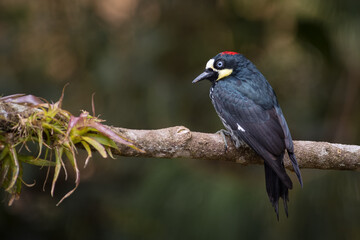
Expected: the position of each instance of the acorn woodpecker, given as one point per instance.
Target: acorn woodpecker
(248, 108)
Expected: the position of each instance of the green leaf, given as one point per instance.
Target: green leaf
(4, 153)
(108, 150)
(15, 191)
(71, 156)
(53, 127)
(88, 150)
(4, 169)
(100, 148)
(40, 141)
(14, 167)
(58, 160)
(72, 159)
(47, 142)
(104, 140)
(36, 161)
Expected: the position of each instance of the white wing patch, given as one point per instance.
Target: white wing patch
(240, 128)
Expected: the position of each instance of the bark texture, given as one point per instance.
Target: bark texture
(180, 142)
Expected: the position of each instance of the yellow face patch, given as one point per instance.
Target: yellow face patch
(221, 72)
(224, 73)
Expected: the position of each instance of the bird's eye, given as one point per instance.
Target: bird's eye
(220, 64)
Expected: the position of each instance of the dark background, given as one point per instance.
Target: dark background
(140, 57)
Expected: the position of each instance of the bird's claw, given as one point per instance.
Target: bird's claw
(224, 133)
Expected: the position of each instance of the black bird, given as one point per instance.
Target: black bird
(248, 108)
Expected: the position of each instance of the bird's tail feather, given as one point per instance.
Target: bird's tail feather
(296, 167)
(276, 189)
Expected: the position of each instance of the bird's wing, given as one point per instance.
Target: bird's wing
(289, 143)
(258, 127)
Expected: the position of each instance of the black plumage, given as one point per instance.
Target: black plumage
(249, 110)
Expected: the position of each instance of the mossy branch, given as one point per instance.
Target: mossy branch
(58, 134)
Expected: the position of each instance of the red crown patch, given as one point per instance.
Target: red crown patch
(229, 53)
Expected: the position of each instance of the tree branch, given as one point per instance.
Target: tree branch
(180, 142)
(26, 118)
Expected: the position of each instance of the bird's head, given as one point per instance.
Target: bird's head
(219, 67)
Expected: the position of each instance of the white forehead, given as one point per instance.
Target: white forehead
(210, 64)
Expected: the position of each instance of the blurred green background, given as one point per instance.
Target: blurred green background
(140, 57)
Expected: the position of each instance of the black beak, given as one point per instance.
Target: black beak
(208, 74)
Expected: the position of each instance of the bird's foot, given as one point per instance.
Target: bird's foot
(239, 143)
(224, 133)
